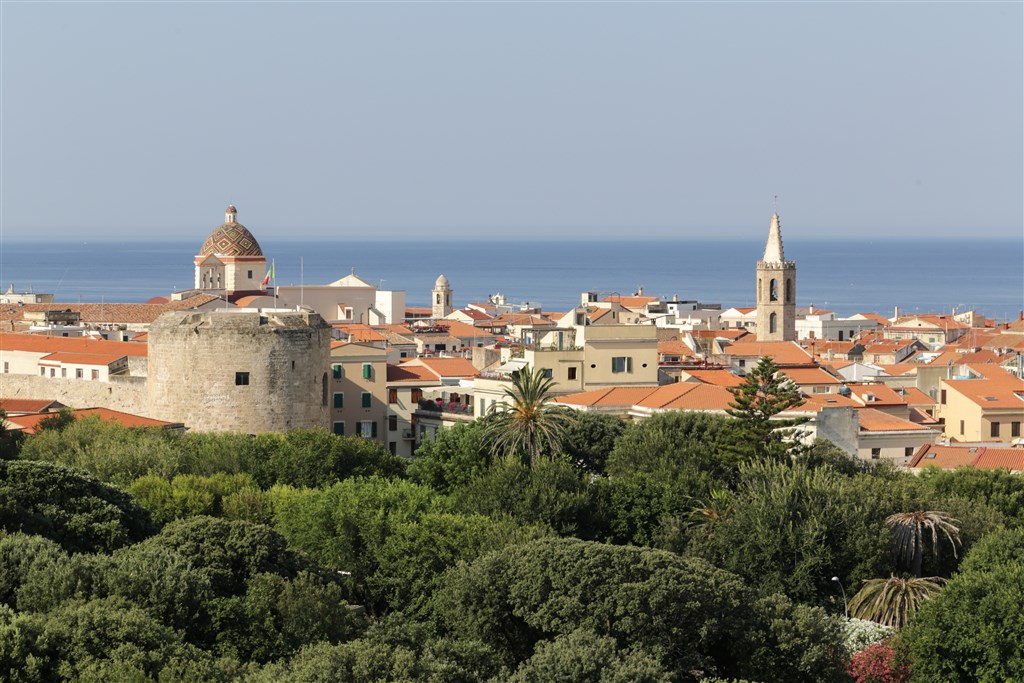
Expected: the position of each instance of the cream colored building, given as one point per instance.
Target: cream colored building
(350, 299)
(358, 391)
(976, 410)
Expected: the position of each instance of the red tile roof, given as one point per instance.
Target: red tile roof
(872, 420)
(783, 353)
(30, 423)
(81, 358)
(809, 376)
(109, 312)
(38, 343)
(720, 378)
(28, 405)
(982, 457)
(447, 367)
(412, 374)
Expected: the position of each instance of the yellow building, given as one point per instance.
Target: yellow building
(989, 409)
(358, 391)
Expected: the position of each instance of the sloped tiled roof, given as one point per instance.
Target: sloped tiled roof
(30, 423)
(414, 373)
(721, 378)
(783, 353)
(448, 367)
(872, 420)
(28, 405)
(806, 376)
(37, 343)
(982, 457)
(82, 358)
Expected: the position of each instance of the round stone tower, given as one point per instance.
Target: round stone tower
(240, 371)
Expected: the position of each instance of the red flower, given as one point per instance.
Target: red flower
(879, 664)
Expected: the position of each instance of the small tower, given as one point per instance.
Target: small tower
(441, 303)
(776, 290)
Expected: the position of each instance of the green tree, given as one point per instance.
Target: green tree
(530, 424)
(585, 657)
(69, 507)
(454, 457)
(893, 601)
(973, 629)
(763, 395)
(910, 530)
(590, 438)
(10, 440)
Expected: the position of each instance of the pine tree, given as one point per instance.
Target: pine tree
(763, 395)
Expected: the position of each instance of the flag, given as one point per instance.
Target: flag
(270, 274)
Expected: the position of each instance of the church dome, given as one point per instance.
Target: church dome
(231, 239)
(441, 282)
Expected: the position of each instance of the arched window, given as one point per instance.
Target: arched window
(758, 289)
(773, 290)
(773, 323)
(323, 389)
(789, 290)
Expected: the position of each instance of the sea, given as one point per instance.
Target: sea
(850, 276)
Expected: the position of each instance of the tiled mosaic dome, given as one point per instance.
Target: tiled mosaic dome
(231, 239)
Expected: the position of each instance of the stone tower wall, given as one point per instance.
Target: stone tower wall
(194, 359)
(784, 307)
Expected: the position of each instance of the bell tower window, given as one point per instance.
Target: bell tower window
(773, 323)
(773, 290)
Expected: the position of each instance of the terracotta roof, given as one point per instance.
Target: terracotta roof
(474, 314)
(415, 373)
(418, 310)
(448, 367)
(688, 396)
(877, 318)
(915, 397)
(783, 353)
(982, 457)
(721, 378)
(872, 420)
(457, 328)
(991, 393)
(82, 358)
(38, 343)
(522, 319)
(883, 395)
(630, 301)
(30, 423)
(802, 376)
(359, 332)
(674, 348)
(109, 312)
(815, 402)
(897, 370)
(27, 405)
(622, 397)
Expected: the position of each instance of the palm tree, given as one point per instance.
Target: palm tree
(893, 601)
(909, 530)
(530, 423)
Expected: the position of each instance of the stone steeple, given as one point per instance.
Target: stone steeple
(776, 290)
(773, 247)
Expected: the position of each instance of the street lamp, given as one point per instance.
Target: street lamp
(846, 608)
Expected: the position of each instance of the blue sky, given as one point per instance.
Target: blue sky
(500, 121)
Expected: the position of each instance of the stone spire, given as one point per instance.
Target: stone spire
(773, 248)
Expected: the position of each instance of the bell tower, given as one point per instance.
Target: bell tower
(776, 290)
(441, 301)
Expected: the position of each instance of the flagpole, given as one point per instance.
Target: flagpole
(302, 281)
(273, 272)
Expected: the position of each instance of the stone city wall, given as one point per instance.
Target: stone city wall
(127, 394)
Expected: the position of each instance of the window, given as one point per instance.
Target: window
(78, 373)
(42, 371)
(367, 371)
(773, 323)
(368, 429)
(789, 290)
(323, 390)
(241, 379)
(63, 372)
(1015, 429)
(943, 399)
(339, 400)
(53, 372)
(393, 447)
(392, 423)
(95, 374)
(876, 453)
(392, 396)
(417, 395)
(339, 428)
(367, 399)
(7, 367)
(622, 364)
(250, 274)
(908, 451)
(994, 429)
(773, 290)
(961, 427)
(580, 319)
(336, 370)
(546, 373)
(572, 373)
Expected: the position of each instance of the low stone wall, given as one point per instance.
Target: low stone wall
(127, 394)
